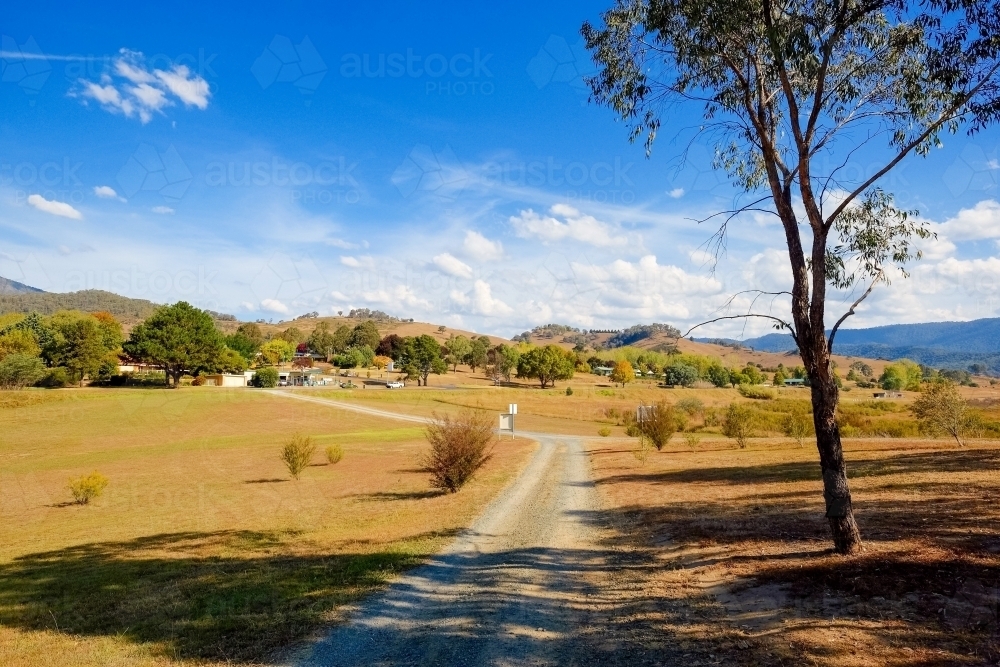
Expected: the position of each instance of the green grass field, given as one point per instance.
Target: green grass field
(203, 549)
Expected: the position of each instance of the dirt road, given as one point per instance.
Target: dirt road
(530, 583)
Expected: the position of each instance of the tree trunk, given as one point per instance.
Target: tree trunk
(836, 491)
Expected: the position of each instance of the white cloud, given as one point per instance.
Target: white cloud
(366, 262)
(59, 208)
(107, 192)
(982, 221)
(483, 302)
(452, 265)
(481, 248)
(480, 301)
(574, 226)
(342, 244)
(163, 210)
(139, 91)
(273, 306)
(192, 90)
(676, 193)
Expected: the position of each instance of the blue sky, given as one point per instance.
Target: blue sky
(437, 162)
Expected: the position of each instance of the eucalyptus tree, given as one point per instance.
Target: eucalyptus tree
(790, 90)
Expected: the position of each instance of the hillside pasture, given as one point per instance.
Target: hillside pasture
(203, 550)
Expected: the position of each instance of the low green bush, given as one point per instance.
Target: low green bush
(54, 378)
(757, 392)
(265, 378)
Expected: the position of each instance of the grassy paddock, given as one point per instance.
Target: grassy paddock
(595, 404)
(202, 549)
(744, 559)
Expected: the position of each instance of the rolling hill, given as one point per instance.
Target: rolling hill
(938, 344)
(8, 286)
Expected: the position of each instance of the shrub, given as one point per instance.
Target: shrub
(54, 378)
(942, 410)
(738, 423)
(604, 431)
(660, 423)
(569, 391)
(297, 454)
(757, 392)
(197, 381)
(690, 406)
(265, 378)
(459, 447)
(692, 440)
(88, 487)
(796, 425)
(334, 453)
(20, 370)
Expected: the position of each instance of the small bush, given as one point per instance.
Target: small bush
(569, 391)
(692, 440)
(459, 447)
(20, 370)
(797, 425)
(88, 487)
(54, 378)
(265, 378)
(757, 392)
(690, 406)
(660, 424)
(334, 453)
(297, 454)
(738, 423)
(197, 381)
(604, 431)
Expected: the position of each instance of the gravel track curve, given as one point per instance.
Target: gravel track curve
(529, 583)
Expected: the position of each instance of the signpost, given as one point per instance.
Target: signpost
(643, 413)
(507, 420)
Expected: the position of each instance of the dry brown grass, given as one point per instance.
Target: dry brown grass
(201, 550)
(743, 554)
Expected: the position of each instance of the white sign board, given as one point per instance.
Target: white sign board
(512, 408)
(643, 413)
(507, 424)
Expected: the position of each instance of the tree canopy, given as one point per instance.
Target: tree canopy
(421, 357)
(176, 338)
(546, 364)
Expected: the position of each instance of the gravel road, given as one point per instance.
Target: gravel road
(530, 583)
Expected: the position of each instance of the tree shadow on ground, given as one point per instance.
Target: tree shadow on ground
(923, 462)
(169, 591)
(173, 590)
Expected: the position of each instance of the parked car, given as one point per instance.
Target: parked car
(394, 385)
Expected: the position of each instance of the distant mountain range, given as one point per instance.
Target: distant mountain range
(937, 344)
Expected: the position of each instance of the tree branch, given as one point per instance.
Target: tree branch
(850, 311)
(780, 321)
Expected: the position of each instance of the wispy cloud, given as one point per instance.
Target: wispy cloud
(132, 89)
